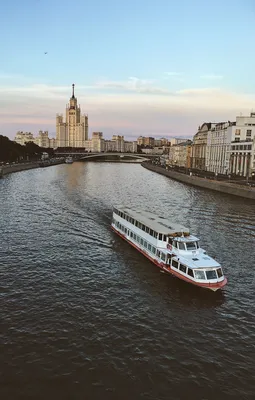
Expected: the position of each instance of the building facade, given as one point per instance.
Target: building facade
(74, 131)
(242, 149)
(218, 147)
(23, 137)
(41, 140)
(180, 154)
(145, 141)
(199, 146)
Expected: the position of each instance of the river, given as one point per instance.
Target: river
(85, 316)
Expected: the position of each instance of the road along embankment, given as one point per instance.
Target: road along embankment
(219, 186)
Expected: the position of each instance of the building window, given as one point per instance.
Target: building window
(238, 131)
(248, 132)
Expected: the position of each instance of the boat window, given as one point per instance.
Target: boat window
(163, 256)
(175, 264)
(181, 246)
(151, 232)
(155, 235)
(149, 246)
(145, 244)
(138, 239)
(219, 272)
(199, 274)
(143, 227)
(147, 229)
(158, 253)
(164, 238)
(136, 223)
(175, 244)
(190, 272)
(160, 236)
(125, 230)
(183, 268)
(211, 274)
(131, 234)
(197, 244)
(153, 249)
(141, 241)
(134, 236)
(191, 245)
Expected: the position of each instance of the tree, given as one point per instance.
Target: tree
(11, 151)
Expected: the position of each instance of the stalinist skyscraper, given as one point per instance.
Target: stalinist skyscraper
(74, 131)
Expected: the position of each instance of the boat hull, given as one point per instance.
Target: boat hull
(211, 286)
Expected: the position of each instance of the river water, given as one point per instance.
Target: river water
(85, 316)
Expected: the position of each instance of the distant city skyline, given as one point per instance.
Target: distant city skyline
(140, 67)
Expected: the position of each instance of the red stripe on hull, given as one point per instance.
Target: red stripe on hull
(168, 269)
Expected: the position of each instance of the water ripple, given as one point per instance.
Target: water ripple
(83, 315)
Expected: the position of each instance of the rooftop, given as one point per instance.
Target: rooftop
(159, 224)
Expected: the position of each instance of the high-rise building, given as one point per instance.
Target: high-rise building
(74, 131)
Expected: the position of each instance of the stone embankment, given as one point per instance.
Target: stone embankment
(219, 186)
(8, 169)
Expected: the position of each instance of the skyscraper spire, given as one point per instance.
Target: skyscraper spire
(73, 91)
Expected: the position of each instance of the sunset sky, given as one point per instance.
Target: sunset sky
(141, 67)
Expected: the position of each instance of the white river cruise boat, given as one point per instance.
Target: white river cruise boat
(69, 160)
(170, 246)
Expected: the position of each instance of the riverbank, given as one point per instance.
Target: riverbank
(219, 186)
(9, 169)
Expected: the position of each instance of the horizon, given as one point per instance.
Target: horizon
(139, 70)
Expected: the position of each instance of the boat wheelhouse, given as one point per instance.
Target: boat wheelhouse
(168, 245)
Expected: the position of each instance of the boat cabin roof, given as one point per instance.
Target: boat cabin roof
(159, 224)
(197, 261)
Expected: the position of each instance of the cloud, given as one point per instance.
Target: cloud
(211, 77)
(173, 73)
(132, 107)
(133, 84)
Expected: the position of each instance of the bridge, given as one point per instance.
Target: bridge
(117, 156)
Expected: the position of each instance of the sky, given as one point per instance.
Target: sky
(140, 67)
